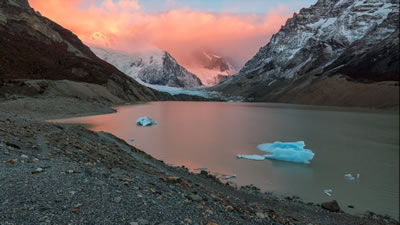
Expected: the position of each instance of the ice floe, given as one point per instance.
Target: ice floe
(229, 176)
(328, 192)
(284, 151)
(350, 177)
(252, 157)
(145, 121)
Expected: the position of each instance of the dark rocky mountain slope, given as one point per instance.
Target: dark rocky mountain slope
(337, 52)
(33, 47)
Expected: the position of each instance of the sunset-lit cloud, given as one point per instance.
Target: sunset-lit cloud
(126, 26)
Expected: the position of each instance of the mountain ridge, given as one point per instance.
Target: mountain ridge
(152, 66)
(354, 39)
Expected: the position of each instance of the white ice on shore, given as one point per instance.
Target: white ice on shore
(284, 151)
(145, 121)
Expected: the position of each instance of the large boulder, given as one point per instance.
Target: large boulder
(332, 206)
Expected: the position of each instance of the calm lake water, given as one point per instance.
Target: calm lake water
(211, 134)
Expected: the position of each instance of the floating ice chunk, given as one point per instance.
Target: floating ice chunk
(328, 192)
(201, 168)
(348, 176)
(145, 121)
(252, 157)
(272, 147)
(230, 177)
(287, 151)
(131, 139)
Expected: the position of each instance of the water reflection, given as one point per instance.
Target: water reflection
(211, 134)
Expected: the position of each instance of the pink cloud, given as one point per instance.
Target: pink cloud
(124, 26)
(121, 5)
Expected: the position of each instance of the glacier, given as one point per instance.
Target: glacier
(145, 121)
(284, 151)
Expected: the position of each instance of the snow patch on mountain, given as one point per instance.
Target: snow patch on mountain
(152, 66)
(317, 36)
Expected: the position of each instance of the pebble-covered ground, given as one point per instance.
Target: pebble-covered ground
(66, 174)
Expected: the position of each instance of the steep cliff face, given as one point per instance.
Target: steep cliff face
(34, 48)
(356, 39)
(152, 67)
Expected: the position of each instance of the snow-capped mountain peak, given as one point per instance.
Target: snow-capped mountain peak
(210, 67)
(358, 39)
(328, 27)
(153, 66)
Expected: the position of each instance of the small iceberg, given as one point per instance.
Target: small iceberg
(229, 177)
(328, 192)
(284, 151)
(145, 121)
(350, 177)
(131, 139)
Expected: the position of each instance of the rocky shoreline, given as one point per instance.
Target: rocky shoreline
(65, 174)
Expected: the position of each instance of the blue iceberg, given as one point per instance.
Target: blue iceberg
(145, 121)
(285, 151)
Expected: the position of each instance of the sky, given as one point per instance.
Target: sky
(235, 29)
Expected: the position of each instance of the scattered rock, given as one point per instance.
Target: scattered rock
(38, 170)
(171, 179)
(117, 199)
(75, 210)
(204, 173)
(187, 220)
(211, 223)
(229, 208)
(332, 206)
(195, 198)
(11, 145)
(260, 215)
(209, 212)
(12, 161)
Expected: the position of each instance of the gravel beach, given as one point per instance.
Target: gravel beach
(65, 174)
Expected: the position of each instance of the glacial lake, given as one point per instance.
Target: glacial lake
(211, 134)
